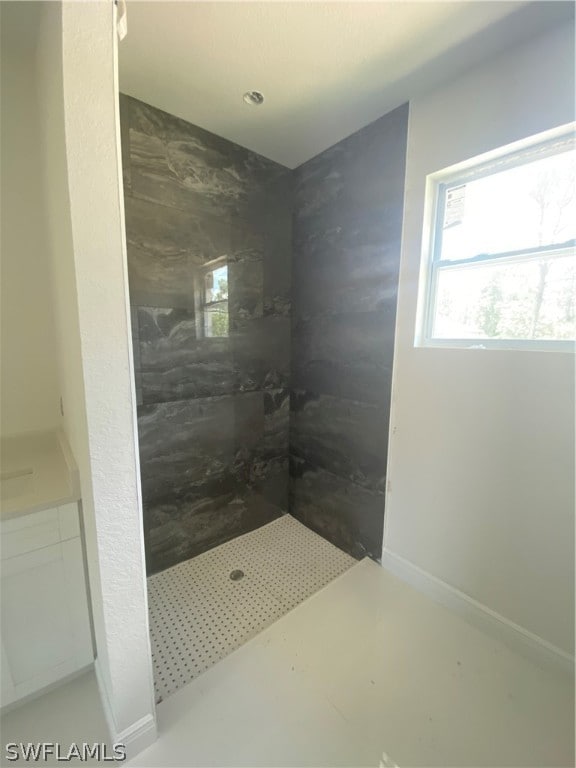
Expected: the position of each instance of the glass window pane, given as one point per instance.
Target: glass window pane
(216, 319)
(530, 299)
(518, 208)
(216, 284)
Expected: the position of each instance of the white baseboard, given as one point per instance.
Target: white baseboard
(137, 736)
(513, 635)
(5, 708)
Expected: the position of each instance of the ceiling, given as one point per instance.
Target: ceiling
(325, 69)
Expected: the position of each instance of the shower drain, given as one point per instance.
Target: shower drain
(237, 575)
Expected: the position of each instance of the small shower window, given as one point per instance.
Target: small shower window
(215, 301)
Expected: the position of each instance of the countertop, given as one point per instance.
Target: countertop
(37, 471)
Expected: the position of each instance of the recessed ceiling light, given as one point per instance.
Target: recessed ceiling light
(254, 98)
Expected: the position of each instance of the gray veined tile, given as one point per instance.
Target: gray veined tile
(267, 504)
(261, 460)
(245, 287)
(276, 422)
(181, 174)
(319, 183)
(213, 464)
(144, 118)
(175, 363)
(177, 532)
(346, 355)
(365, 170)
(346, 251)
(249, 165)
(262, 354)
(345, 514)
(248, 420)
(277, 273)
(344, 437)
(191, 173)
(351, 268)
(166, 248)
(187, 449)
(180, 164)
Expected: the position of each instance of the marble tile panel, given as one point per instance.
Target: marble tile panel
(262, 354)
(245, 291)
(261, 435)
(176, 532)
(187, 450)
(264, 507)
(344, 437)
(248, 421)
(276, 435)
(165, 249)
(353, 267)
(198, 494)
(177, 163)
(175, 363)
(277, 286)
(347, 355)
(347, 515)
(213, 425)
(185, 175)
(365, 170)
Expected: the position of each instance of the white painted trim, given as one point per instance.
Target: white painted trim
(517, 638)
(5, 708)
(105, 700)
(137, 736)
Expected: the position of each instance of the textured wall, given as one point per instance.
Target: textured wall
(103, 433)
(213, 412)
(347, 229)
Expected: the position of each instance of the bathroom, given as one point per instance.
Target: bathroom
(221, 386)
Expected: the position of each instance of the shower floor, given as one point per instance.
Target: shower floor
(198, 614)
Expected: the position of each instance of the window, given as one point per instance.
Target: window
(214, 300)
(501, 266)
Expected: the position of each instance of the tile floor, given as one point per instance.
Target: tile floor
(366, 665)
(369, 665)
(199, 615)
(69, 714)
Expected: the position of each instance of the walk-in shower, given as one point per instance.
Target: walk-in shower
(263, 305)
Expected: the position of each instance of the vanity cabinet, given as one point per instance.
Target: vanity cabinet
(45, 624)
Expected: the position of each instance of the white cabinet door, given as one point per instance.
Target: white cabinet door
(44, 612)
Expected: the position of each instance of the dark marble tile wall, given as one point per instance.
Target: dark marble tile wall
(346, 248)
(213, 412)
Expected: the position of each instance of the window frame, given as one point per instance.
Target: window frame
(437, 185)
(200, 296)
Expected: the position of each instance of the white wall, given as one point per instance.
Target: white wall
(79, 109)
(28, 369)
(481, 459)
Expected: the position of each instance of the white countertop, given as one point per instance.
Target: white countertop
(37, 471)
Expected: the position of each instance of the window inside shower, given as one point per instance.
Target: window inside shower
(214, 299)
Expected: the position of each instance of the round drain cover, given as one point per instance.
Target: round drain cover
(237, 575)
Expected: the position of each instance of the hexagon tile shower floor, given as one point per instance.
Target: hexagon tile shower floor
(202, 609)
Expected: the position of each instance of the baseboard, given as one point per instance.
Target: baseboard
(5, 708)
(137, 736)
(513, 635)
